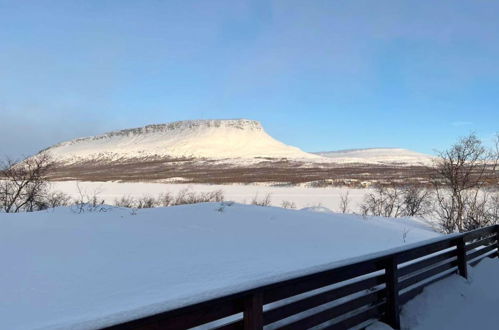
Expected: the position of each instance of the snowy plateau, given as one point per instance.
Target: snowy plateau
(212, 139)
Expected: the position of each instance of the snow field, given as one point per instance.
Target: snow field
(63, 269)
(301, 196)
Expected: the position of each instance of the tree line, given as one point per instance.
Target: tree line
(462, 193)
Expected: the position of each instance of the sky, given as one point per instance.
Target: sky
(320, 75)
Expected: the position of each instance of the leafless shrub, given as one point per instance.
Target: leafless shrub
(213, 196)
(23, 185)
(88, 202)
(394, 201)
(288, 205)
(56, 198)
(383, 201)
(165, 200)
(183, 197)
(404, 234)
(265, 201)
(125, 201)
(494, 207)
(146, 202)
(187, 197)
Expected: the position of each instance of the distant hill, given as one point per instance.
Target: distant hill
(378, 156)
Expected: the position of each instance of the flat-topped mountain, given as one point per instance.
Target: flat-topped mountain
(212, 139)
(223, 151)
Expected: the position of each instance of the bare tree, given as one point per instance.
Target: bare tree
(344, 202)
(461, 173)
(23, 185)
(416, 201)
(383, 201)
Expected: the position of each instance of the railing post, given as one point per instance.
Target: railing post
(462, 263)
(253, 312)
(392, 316)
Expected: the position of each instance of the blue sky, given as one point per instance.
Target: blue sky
(321, 75)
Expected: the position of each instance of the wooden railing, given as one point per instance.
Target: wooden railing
(339, 298)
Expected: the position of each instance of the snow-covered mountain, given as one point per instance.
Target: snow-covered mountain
(378, 156)
(220, 151)
(213, 139)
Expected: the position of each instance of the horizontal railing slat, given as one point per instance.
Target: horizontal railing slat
(235, 325)
(427, 262)
(408, 295)
(349, 322)
(426, 274)
(333, 312)
(477, 253)
(426, 250)
(486, 241)
(483, 256)
(292, 308)
(192, 316)
(479, 232)
(291, 288)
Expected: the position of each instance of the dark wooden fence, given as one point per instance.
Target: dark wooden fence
(337, 298)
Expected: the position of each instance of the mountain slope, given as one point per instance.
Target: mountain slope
(214, 139)
(378, 156)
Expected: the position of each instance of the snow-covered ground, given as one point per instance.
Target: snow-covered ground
(300, 196)
(456, 303)
(62, 269)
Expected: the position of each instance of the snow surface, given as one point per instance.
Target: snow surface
(302, 197)
(214, 139)
(61, 269)
(455, 303)
(379, 156)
